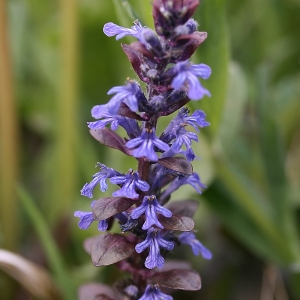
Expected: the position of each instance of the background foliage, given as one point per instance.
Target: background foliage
(56, 64)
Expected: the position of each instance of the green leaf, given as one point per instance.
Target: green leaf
(54, 258)
(215, 53)
(253, 204)
(233, 112)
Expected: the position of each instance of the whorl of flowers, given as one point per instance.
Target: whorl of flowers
(151, 229)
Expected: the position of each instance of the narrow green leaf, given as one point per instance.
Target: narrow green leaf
(215, 53)
(249, 199)
(54, 258)
(233, 112)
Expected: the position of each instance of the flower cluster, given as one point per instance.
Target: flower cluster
(151, 226)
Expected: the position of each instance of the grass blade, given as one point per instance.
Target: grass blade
(54, 258)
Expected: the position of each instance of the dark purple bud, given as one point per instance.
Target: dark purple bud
(168, 15)
(107, 249)
(178, 280)
(151, 41)
(131, 291)
(174, 101)
(188, 28)
(131, 223)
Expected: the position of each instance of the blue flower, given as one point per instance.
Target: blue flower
(153, 292)
(186, 79)
(182, 136)
(99, 177)
(100, 112)
(111, 29)
(193, 180)
(86, 219)
(189, 238)
(145, 143)
(129, 183)
(150, 207)
(129, 94)
(154, 241)
(197, 119)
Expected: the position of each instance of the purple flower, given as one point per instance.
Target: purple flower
(186, 79)
(193, 180)
(129, 183)
(150, 207)
(86, 219)
(197, 119)
(182, 136)
(100, 112)
(145, 143)
(189, 238)
(154, 241)
(111, 29)
(153, 292)
(129, 94)
(99, 177)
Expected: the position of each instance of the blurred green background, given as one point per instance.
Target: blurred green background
(56, 64)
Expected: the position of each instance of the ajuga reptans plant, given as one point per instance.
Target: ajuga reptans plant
(150, 227)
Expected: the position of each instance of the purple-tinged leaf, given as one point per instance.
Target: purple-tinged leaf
(87, 244)
(136, 60)
(178, 223)
(186, 208)
(178, 280)
(191, 43)
(178, 164)
(176, 264)
(101, 297)
(174, 106)
(108, 207)
(108, 249)
(125, 111)
(110, 139)
(139, 47)
(95, 291)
